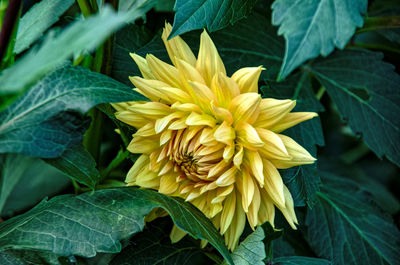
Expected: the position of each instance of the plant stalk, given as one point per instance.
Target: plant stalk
(8, 25)
(376, 23)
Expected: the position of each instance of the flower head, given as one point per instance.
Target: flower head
(211, 139)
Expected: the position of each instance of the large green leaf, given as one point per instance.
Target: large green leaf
(37, 123)
(38, 19)
(346, 227)
(303, 181)
(13, 167)
(366, 92)
(25, 181)
(80, 36)
(297, 260)
(78, 164)
(64, 226)
(251, 251)
(250, 43)
(315, 27)
(213, 14)
(13, 257)
(153, 246)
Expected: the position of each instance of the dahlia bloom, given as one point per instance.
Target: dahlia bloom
(211, 139)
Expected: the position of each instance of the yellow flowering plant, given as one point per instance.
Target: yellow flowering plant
(211, 139)
(244, 133)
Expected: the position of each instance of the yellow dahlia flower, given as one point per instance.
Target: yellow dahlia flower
(211, 139)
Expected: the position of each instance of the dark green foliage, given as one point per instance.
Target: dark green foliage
(347, 203)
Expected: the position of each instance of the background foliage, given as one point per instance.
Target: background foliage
(62, 62)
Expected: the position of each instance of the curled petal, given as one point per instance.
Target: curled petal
(273, 183)
(247, 79)
(288, 209)
(143, 66)
(168, 185)
(224, 133)
(248, 136)
(208, 62)
(255, 162)
(274, 147)
(139, 165)
(272, 111)
(245, 107)
(224, 88)
(247, 189)
(299, 155)
(176, 234)
(163, 71)
(292, 119)
(177, 48)
(200, 119)
(227, 178)
(228, 211)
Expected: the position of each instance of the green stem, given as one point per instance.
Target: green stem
(77, 188)
(376, 23)
(320, 92)
(299, 85)
(3, 8)
(374, 46)
(355, 154)
(121, 156)
(92, 139)
(84, 5)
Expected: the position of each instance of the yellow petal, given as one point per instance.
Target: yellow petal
(203, 96)
(267, 209)
(288, 210)
(238, 158)
(236, 228)
(229, 151)
(163, 71)
(176, 234)
(148, 179)
(200, 119)
(150, 88)
(145, 145)
(253, 159)
(224, 88)
(146, 130)
(177, 48)
(134, 119)
(247, 79)
(186, 107)
(248, 188)
(273, 183)
(222, 193)
(248, 136)
(227, 178)
(245, 107)
(208, 62)
(140, 163)
(168, 184)
(272, 111)
(299, 155)
(143, 66)
(151, 109)
(228, 211)
(175, 94)
(189, 72)
(273, 145)
(221, 114)
(224, 133)
(217, 169)
(252, 214)
(162, 123)
(292, 119)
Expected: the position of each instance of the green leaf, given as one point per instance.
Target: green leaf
(77, 164)
(153, 246)
(30, 186)
(126, 5)
(213, 14)
(115, 214)
(250, 43)
(13, 167)
(346, 227)
(37, 20)
(128, 40)
(80, 36)
(12, 257)
(37, 124)
(366, 92)
(302, 181)
(297, 260)
(315, 27)
(251, 251)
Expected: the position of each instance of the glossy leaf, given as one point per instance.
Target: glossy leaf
(62, 225)
(297, 260)
(30, 28)
(48, 120)
(346, 227)
(213, 14)
(315, 27)
(78, 164)
(366, 92)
